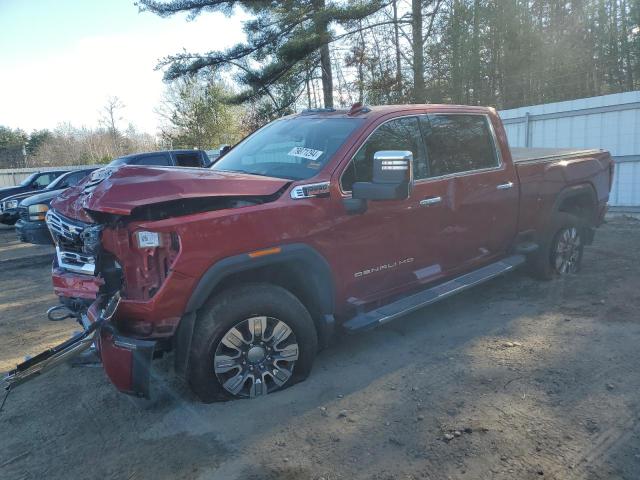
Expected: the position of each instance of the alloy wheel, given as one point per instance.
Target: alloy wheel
(568, 251)
(256, 356)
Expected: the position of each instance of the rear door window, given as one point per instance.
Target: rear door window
(398, 134)
(458, 143)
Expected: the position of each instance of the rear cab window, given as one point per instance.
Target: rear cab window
(189, 159)
(157, 159)
(458, 143)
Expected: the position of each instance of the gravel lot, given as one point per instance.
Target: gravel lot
(516, 379)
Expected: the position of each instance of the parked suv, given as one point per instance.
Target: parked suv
(33, 183)
(31, 211)
(167, 158)
(322, 220)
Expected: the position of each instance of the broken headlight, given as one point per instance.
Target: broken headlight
(90, 237)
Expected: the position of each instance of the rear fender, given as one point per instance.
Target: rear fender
(575, 191)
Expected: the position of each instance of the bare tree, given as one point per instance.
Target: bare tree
(110, 117)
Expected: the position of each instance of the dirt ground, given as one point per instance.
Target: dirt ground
(516, 379)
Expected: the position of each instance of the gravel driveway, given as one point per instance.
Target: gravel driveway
(516, 379)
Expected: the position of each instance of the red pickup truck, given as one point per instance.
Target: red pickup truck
(324, 220)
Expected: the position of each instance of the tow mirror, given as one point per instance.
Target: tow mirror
(392, 177)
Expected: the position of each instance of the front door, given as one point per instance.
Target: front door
(382, 247)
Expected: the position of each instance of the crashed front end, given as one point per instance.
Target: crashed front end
(125, 233)
(89, 281)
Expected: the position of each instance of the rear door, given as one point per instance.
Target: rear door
(478, 191)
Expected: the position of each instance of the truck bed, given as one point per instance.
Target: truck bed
(544, 172)
(521, 154)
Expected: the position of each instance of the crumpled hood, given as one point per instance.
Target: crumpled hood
(121, 189)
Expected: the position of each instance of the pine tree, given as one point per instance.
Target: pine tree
(281, 36)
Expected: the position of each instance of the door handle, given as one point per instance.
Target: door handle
(505, 186)
(430, 201)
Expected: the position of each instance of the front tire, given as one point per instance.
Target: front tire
(561, 253)
(249, 341)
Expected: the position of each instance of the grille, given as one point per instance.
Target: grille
(24, 213)
(63, 227)
(67, 235)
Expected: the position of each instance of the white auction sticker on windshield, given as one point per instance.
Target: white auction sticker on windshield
(308, 153)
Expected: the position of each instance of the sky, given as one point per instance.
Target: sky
(60, 60)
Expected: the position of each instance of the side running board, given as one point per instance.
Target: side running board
(431, 295)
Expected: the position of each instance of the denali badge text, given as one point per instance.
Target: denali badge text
(382, 268)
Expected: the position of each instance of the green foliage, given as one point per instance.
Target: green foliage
(36, 140)
(282, 35)
(12, 143)
(198, 114)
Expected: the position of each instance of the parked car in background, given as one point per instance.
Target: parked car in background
(31, 211)
(34, 182)
(217, 153)
(167, 158)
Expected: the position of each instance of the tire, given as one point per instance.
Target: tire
(566, 238)
(278, 357)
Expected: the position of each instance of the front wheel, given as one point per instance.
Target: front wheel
(562, 253)
(250, 341)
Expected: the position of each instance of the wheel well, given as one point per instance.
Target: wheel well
(581, 203)
(294, 276)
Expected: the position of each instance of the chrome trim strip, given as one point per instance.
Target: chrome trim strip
(505, 186)
(430, 201)
(82, 263)
(310, 190)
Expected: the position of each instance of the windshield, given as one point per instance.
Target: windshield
(294, 148)
(27, 181)
(54, 185)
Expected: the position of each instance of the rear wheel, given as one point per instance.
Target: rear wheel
(562, 253)
(250, 341)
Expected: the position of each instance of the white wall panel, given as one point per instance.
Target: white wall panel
(614, 126)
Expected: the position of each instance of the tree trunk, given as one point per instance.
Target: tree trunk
(419, 93)
(325, 56)
(327, 78)
(476, 74)
(626, 51)
(397, 41)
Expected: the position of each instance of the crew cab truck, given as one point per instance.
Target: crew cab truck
(324, 220)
